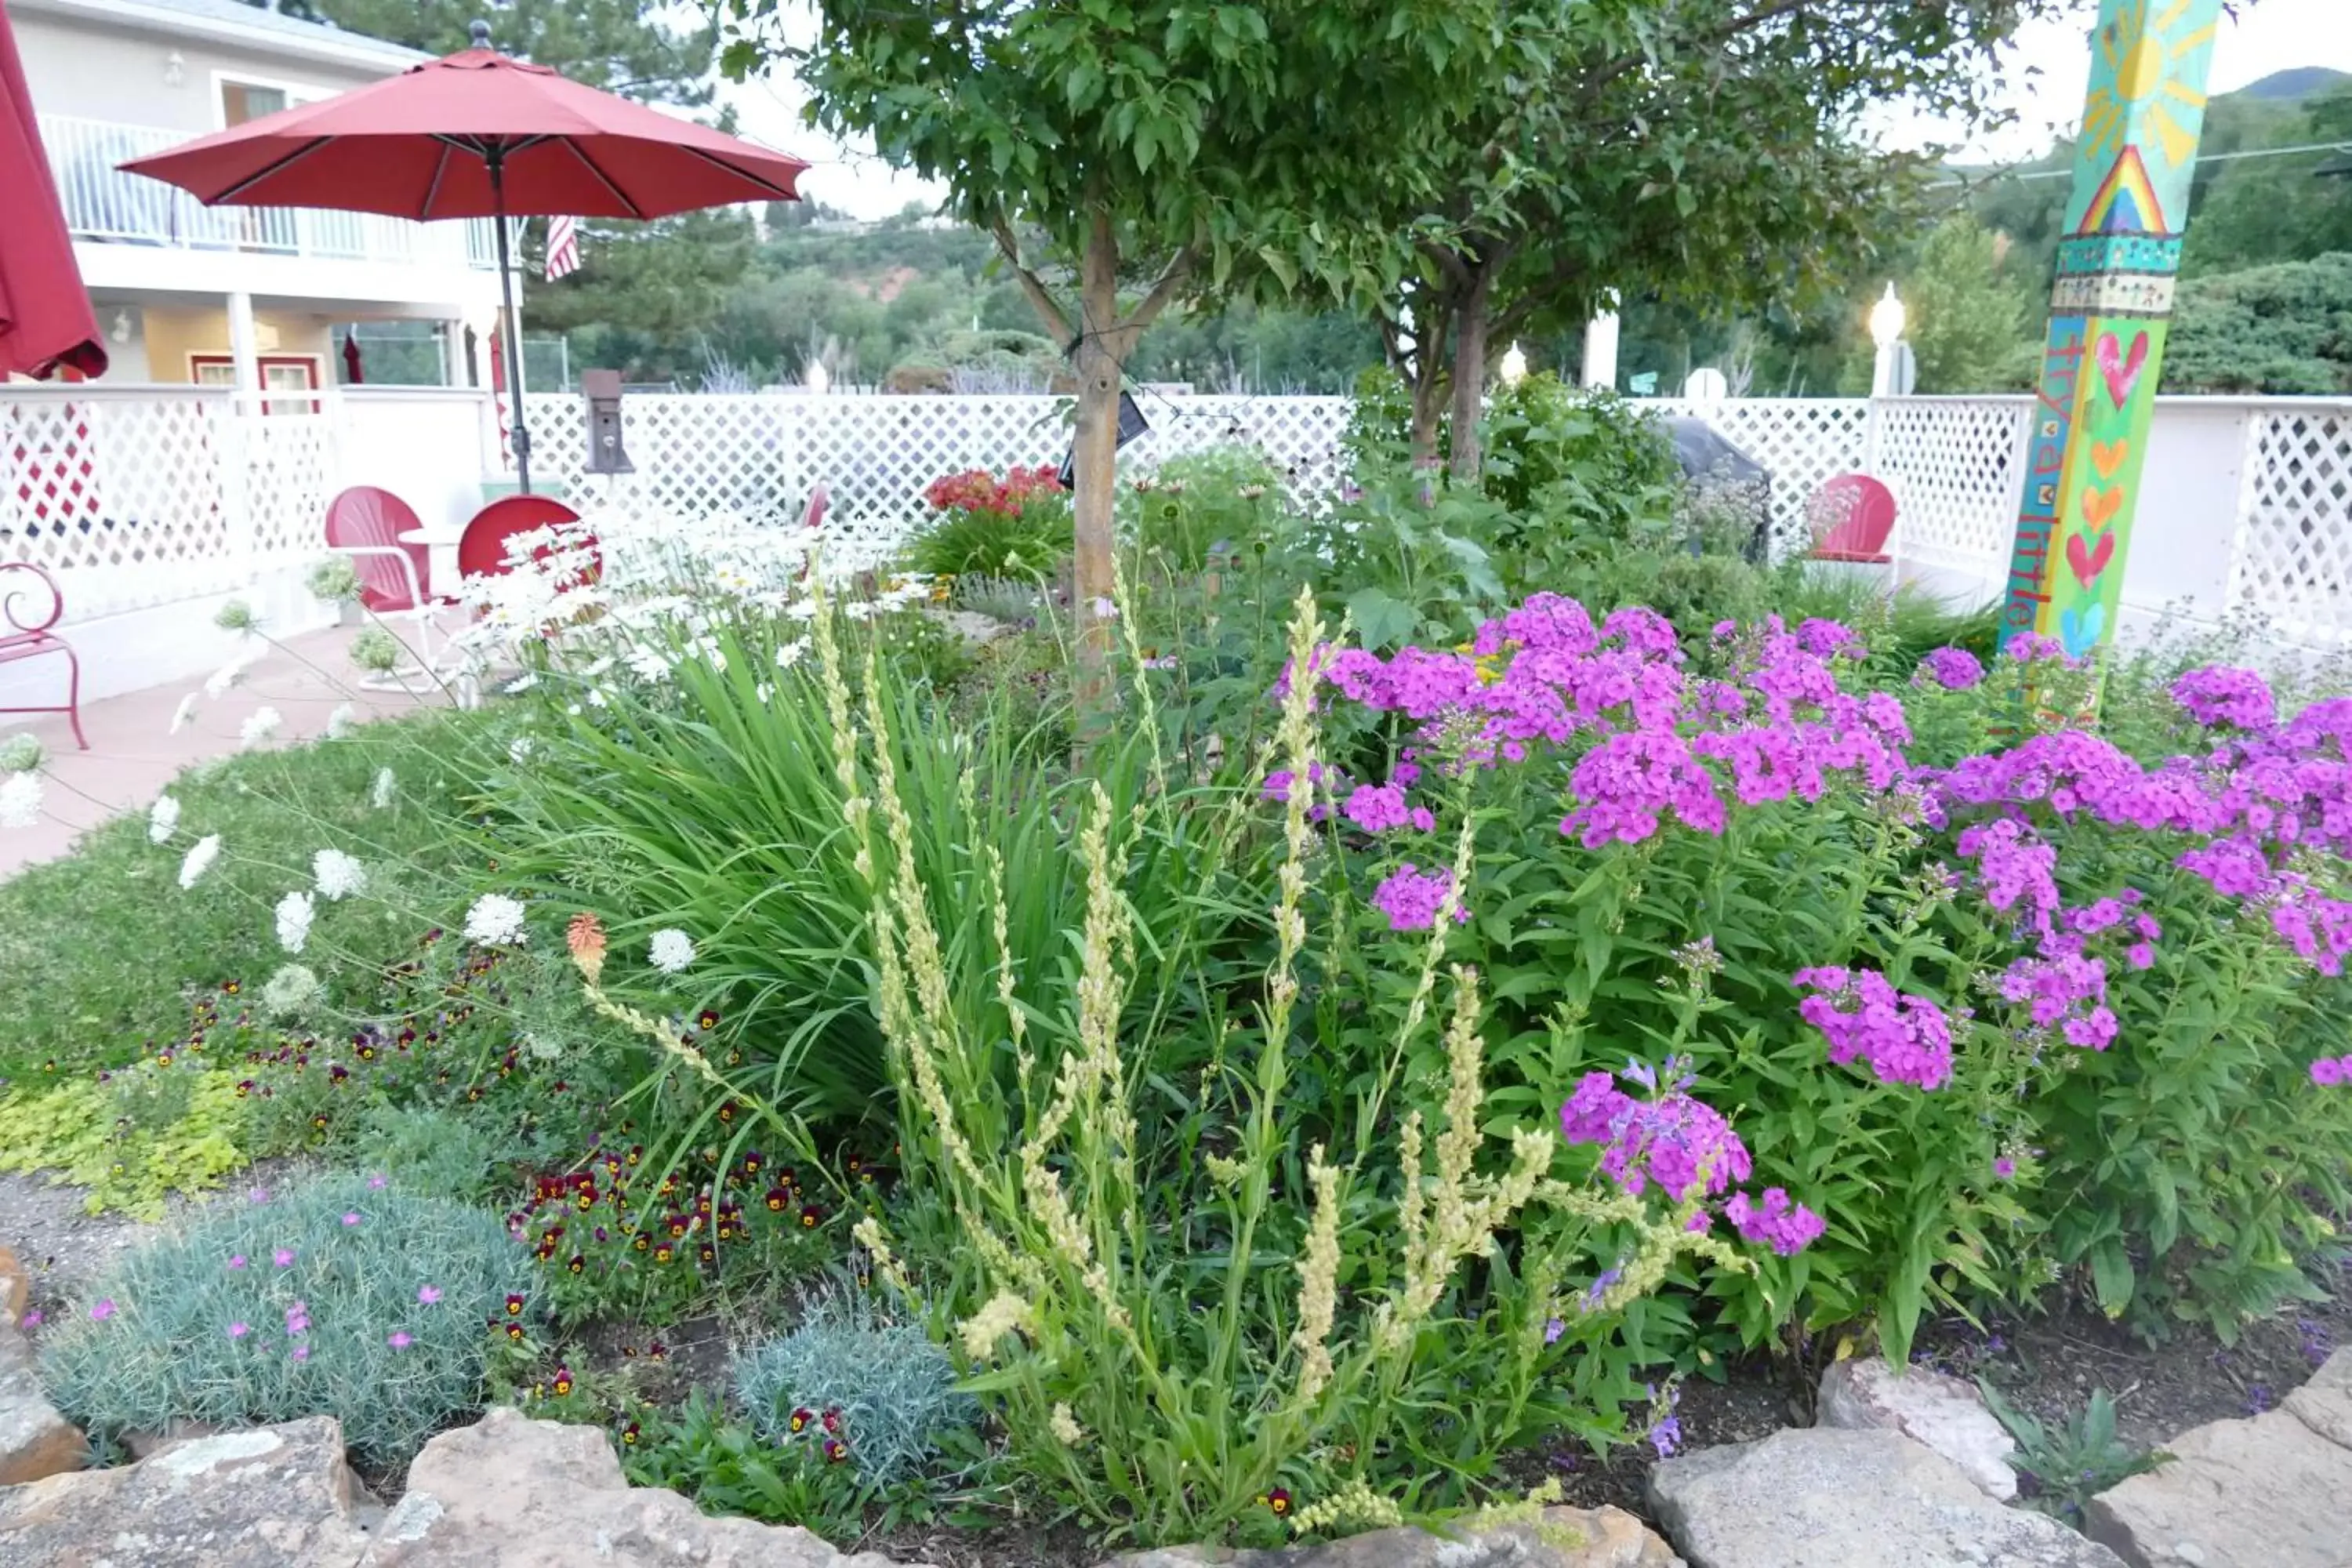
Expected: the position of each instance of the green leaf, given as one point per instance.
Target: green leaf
(2112, 1276)
(1381, 621)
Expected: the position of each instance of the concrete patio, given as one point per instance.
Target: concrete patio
(135, 754)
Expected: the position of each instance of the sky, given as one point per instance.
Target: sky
(2043, 81)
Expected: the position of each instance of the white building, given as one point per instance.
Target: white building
(233, 296)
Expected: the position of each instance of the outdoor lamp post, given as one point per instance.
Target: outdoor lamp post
(1887, 319)
(1515, 365)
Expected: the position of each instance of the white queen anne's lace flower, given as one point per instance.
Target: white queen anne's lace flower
(381, 795)
(671, 951)
(262, 723)
(496, 920)
(20, 800)
(199, 860)
(295, 911)
(339, 722)
(339, 876)
(162, 819)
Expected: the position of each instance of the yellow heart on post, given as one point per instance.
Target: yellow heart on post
(2108, 456)
(2100, 506)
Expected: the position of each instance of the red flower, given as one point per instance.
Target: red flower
(810, 1217)
(777, 1198)
(833, 1421)
(629, 1434)
(835, 1450)
(801, 1419)
(563, 1381)
(514, 1306)
(1278, 1500)
(706, 1020)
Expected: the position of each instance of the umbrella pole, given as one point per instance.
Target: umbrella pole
(495, 158)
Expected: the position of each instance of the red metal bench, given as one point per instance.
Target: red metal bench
(25, 634)
(1852, 516)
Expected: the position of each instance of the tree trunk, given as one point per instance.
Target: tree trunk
(1097, 364)
(1470, 372)
(1429, 365)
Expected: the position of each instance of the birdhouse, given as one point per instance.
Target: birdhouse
(601, 388)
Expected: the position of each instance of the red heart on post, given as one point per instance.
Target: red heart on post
(2089, 562)
(2120, 370)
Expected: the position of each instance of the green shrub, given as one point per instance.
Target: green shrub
(1203, 505)
(877, 1386)
(1586, 460)
(341, 1297)
(1016, 527)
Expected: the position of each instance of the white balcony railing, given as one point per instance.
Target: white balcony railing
(104, 204)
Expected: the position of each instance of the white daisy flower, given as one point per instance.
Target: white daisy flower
(199, 860)
(294, 914)
(790, 654)
(496, 920)
(671, 951)
(162, 819)
(20, 800)
(339, 876)
(519, 749)
(259, 726)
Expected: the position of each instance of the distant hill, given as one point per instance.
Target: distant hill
(2287, 86)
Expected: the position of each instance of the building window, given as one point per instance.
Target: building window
(244, 101)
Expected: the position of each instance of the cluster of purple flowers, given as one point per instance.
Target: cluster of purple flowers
(1681, 1143)
(1905, 1038)
(1953, 668)
(2332, 1072)
(1787, 1228)
(1412, 897)
(2222, 694)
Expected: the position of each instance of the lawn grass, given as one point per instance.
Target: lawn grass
(103, 951)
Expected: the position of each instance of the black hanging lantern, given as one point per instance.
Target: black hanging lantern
(1131, 423)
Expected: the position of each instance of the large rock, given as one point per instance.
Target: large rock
(1820, 1498)
(1561, 1538)
(274, 1497)
(2272, 1493)
(34, 1440)
(1943, 1412)
(511, 1492)
(15, 1289)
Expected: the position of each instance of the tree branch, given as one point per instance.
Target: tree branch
(1179, 267)
(1456, 272)
(1057, 320)
(1772, 11)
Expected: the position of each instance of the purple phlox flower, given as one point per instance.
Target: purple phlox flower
(2332, 1072)
(236, 1260)
(2032, 648)
(1412, 897)
(428, 1294)
(2319, 928)
(351, 1217)
(239, 1330)
(283, 1258)
(2221, 694)
(2003, 1167)
(398, 1339)
(1953, 668)
(102, 1311)
(378, 1182)
(1905, 1038)
(1631, 779)
(1675, 1141)
(1375, 808)
(2017, 870)
(1724, 631)
(1788, 1229)
(301, 1353)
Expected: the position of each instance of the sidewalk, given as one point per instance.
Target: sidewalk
(133, 754)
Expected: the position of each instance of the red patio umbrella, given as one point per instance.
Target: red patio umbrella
(45, 315)
(477, 134)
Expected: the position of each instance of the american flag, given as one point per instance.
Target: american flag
(562, 246)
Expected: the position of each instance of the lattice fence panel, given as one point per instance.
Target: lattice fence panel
(121, 498)
(1955, 467)
(2293, 560)
(289, 466)
(1803, 441)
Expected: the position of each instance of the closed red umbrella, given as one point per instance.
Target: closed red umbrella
(45, 315)
(477, 134)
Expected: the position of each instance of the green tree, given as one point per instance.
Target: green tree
(621, 45)
(2281, 330)
(656, 287)
(1696, 152)
(1156, 148)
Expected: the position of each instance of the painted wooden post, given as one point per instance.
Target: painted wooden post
(2116, 267)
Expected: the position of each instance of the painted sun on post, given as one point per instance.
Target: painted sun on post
(2139, 63)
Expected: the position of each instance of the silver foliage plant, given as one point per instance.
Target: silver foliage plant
(892, 1391)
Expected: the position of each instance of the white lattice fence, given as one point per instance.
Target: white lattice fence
(2293, 558)
(758, 457)
(1955, 465)
(120, 498)
(289, 467)
(1804, 441)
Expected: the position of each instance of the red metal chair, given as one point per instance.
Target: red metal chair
(482, 548)
(1853, 517)
(23, 637)
(365, 523)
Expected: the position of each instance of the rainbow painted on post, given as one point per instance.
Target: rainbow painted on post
(2108, 313)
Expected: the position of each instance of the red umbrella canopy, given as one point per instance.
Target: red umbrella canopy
(420, 145)
(45, 315)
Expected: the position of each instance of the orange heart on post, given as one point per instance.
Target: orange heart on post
(2100, 506)
(2108, 456)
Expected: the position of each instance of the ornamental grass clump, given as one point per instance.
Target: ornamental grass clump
(346, 1296)
(874, 1385)
(1181, 1331)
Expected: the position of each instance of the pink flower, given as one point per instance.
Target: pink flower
(239, 1330)
(428, 1294)
(301, 1353)
(259, 1196)
(2004, 1167)
(1412, 897)
(352, 1218)
(398, 1339)
(102, 1312)
(238, 1261)
(2327, 1072)
(376, 1182)
(1787, 1228)
(283, 1258)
